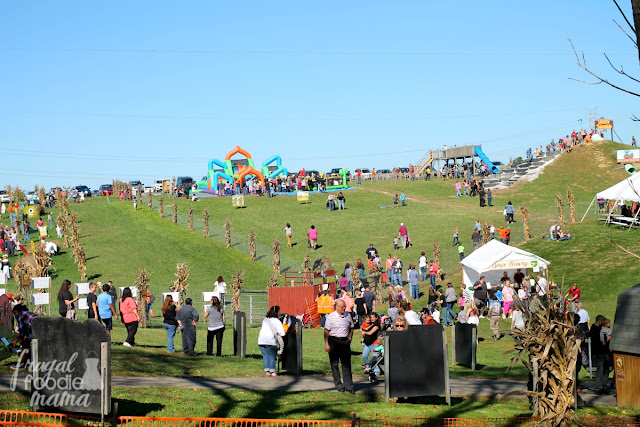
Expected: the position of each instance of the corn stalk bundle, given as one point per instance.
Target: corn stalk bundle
(227, 232)
(150, 201)
(486, 232)
(560, 209)
(139, 192)
(205, 215)
(42, 260)
(173, 184)
(18, 194)
(190, 217)
(572, 205)
(82, 262)
(175, 213)
(326, 263)
(273, 282)
(142, 285)
(237, 287)
(10, 194)
(180, 285)
(525, 222)
(436, 258)
(161, 205)
(252, 244)
(355, 277)
(62, 222)
(75, 234)
(549, 342)
(42, 195)
(276, 258)
(306, 266)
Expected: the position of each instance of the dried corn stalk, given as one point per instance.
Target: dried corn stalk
(486, 232)
(525, 222)
(227, 232)
(276, 257)
(572, 205)
(560, 209)
(306, 266)
(252, 244)
(142, 285)
(237, 287)
(190, 217)
(75, 234)
(205, 215)
(173, 185)
(436, 258)
(355, 278)
(82, 262)
(10, 194)
(273, 282)
(175, 213)
(42, 260)
(161, 205)
(42, 195)
(180, 285)
(548, 347)
(150, 201)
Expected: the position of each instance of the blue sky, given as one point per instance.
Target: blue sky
(91, 91)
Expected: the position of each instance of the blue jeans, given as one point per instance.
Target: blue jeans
(370, 350)
(423, 273)
(323, 319)
(458, 193)
(390, 275)
(455, 241)
(340, 204)
(397, 279)
(433, 280)
(414, 291)
(449, 314)
(171, 332)
(269, 357)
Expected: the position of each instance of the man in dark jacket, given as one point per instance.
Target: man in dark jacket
(480, 295)
(599, 355)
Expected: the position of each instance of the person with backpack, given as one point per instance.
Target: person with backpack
(25, 333)
(495, 312)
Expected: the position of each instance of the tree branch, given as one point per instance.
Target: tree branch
(621, 71)
(624, 16)
(583, 64)
(626, 34)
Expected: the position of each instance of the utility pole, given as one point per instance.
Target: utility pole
(592, 114)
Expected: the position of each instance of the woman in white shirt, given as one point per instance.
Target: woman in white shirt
(221, 288)
(269, 335)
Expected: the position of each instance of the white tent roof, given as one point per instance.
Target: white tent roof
(627, 189)
(484, 258)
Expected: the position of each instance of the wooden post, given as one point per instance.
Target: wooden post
(453, 344)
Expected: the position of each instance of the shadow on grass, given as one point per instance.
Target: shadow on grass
(133, 408)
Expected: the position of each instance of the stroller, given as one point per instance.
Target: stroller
(379, 363)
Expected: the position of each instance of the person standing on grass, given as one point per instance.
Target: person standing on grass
(458, 188)
(313, 237)
(50, 218)
(450, 299)
(106, 310)
(66, 301)
(215, 314)
(403, 233)
(169, 322)
(187, 318)
(287, 232)
(480, 295)
(221, 288)
(129, 312)
(338, 332)
(92, 303)
(422, 265)
(270, 334)
(412, 278)
(433, 272)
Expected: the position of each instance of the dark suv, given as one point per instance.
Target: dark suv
(184, 183)
(83, 189)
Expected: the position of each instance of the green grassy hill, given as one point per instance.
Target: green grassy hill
(119, 241)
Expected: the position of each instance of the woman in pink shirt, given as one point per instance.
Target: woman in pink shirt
(507, 295)
(129, 312)
(313, 237)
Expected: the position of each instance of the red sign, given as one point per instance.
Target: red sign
(604, 124)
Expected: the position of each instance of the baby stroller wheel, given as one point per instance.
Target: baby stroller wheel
(373, 379)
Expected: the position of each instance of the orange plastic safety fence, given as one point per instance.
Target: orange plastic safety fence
(31, 419)
(224, 422)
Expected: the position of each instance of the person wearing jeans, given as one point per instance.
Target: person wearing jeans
(450, 299)
(215, 314)
(412, 277)
(169, 321)
(268, 338)
(129, 311)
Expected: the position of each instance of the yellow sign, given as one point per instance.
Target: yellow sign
(604, 124)
(303, 196)
(238, 201)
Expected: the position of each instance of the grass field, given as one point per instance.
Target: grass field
(119, 241)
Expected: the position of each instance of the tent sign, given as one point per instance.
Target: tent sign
(512, 264)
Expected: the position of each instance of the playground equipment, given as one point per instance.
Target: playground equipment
(339, 181)
(464, 153)
(235, 171)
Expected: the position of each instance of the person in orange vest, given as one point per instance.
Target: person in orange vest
(325, 306)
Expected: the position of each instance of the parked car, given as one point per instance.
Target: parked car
(336, 171)
(134, 184)
(106, 189)
(83, 189)
(404, 170)
(366, 173)
(4, 196)
(311, 172)
(32, 198)
(381, 171)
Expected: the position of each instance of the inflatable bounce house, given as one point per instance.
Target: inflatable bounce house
(235, 171)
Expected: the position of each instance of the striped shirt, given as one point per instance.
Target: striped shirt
(338, 326)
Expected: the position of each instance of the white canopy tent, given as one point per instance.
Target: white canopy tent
(494, 258)
(626, 190)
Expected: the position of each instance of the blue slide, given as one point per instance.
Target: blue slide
(478, 151)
